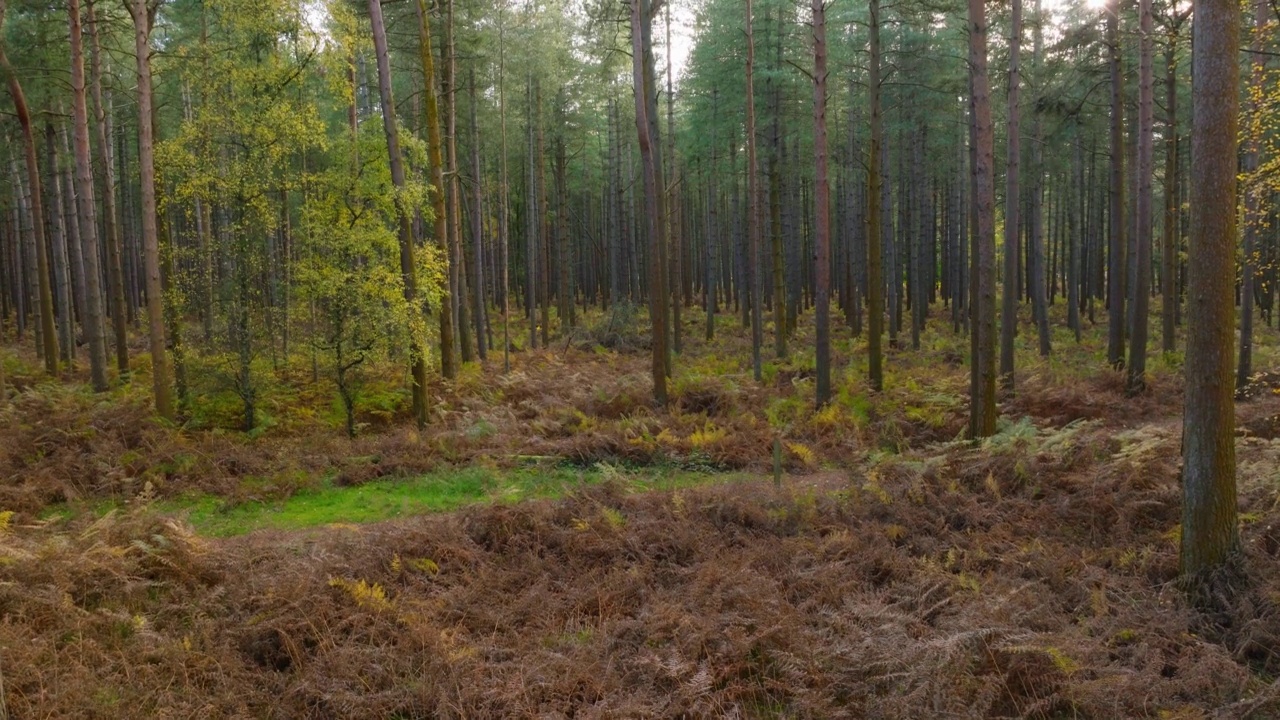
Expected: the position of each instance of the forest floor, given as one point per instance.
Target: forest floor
(551, 546)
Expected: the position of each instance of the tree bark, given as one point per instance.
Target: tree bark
(653, 218)
(1169, 251)
(49, 344)
(457, 261)
(1012, 207)
(821, 207)
(1253, 197)
(754, 230)
(448, 359)
(1117, 231)
(1210, 535)
(477, 231)
(64, 311)
(143, 13)
(1145, 204)
(93, 321)
(982, 411)
(408, 268)
(875, 279)
(1039, 297)
(110, 216)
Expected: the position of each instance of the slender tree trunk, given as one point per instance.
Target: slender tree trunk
(1117, 240)
(754, 230)
(408, 267)
(532, 224)
(66, 180)
(653, 218)
(49, 344)
(780, 325)
(1169, 251)
(673, 204)
(65, 312)
(503, 206)
(477, 230)
(821, 207)
(1146, 204)
(110, 217)
(544, 220)
(1039, 297)
(457, 264)
(143, 14)
(1012, 207)
(982, 411)
(448, 359)
(1253, 196)
(1210, 534)
(875, 278)
(93, 321)
(1073, 234)
(713, 218)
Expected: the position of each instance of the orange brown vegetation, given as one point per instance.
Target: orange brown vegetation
(1031, 577)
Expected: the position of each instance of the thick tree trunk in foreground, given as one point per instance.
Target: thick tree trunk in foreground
(1210, 535)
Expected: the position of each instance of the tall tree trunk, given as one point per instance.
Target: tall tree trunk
(653, 218)
(673, 203)
(66, 180)
(49, 344)
(63, 306)
(1210, 534)
(875, 278)
(503, 207)
(1169, 250)
(408, 267)
(754, 230)
(1012, 207)
(982, 410)
(821, 207)
(544, 220)
(780, 328)
(110, 217)
(477, 231)
(1146, 204)
(1253, 195)
(435, 154)
(1039, 296)
(1117, 231)
(457, 261)
(713, 218)
(532, 224)
(93, 321)
(143, 13)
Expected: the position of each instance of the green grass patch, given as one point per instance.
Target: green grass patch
(215, 516)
